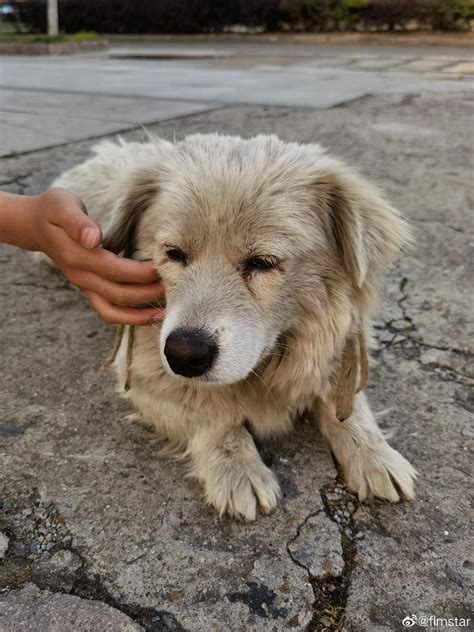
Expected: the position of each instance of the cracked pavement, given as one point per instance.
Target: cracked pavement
(101, 532)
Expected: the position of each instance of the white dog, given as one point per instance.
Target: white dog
(269, 253)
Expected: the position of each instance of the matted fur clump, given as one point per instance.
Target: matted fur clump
(269, 253)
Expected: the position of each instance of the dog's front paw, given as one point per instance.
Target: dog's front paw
(371, 467)
(235, 479)
(240, 489)
(380, 471)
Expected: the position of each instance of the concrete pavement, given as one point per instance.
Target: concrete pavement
(49, 101)
(101, 532)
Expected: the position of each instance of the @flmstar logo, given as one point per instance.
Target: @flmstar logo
(410, 621)
(431, 621)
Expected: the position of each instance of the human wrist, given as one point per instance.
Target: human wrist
(19, 220)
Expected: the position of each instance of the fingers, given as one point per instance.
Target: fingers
(69, 213)
(110, 266)
(125, 294)
(69, 255)
(114, 314)
(112, 284)
(66, 213)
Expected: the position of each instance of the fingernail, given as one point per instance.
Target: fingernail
(157, 317)
(151, 265)
(89, 237)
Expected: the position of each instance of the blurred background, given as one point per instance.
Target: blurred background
(240, 16)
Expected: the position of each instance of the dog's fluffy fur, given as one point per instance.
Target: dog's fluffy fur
(222, 200)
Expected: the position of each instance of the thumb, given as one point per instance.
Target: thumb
(90, 235)
(71, 216)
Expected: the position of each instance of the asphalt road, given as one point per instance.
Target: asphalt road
(98, 531)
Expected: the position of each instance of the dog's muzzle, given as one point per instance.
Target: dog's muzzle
(190, 352)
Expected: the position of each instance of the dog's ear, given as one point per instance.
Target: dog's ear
(365, 229)
(139, 190)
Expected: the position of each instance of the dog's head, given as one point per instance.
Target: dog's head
(250, 237)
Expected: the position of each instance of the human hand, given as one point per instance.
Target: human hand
(57, 224)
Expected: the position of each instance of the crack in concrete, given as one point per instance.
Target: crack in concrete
(332, 594)
(408, 343)
(86, 587)
(297, 535)
(301, 565)
(17, 181)
(405, 316)
(389, 325)
(401, 287)
(151, 619)
(464, 352)
(331, 590)
(453, 373)
(403, 336)
(70, 575)
(439, 222)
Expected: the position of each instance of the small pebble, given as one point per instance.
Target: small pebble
(4, 540)
(176, 596)
(454, 576)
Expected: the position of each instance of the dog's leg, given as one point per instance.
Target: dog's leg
(371, 467)
(235, 479)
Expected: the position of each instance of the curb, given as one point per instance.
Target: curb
(418, 38)
(56, 48)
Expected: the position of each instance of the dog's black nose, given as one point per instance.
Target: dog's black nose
(190, 352)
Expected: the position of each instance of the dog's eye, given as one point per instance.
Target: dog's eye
(175, 254)
(261, 264)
